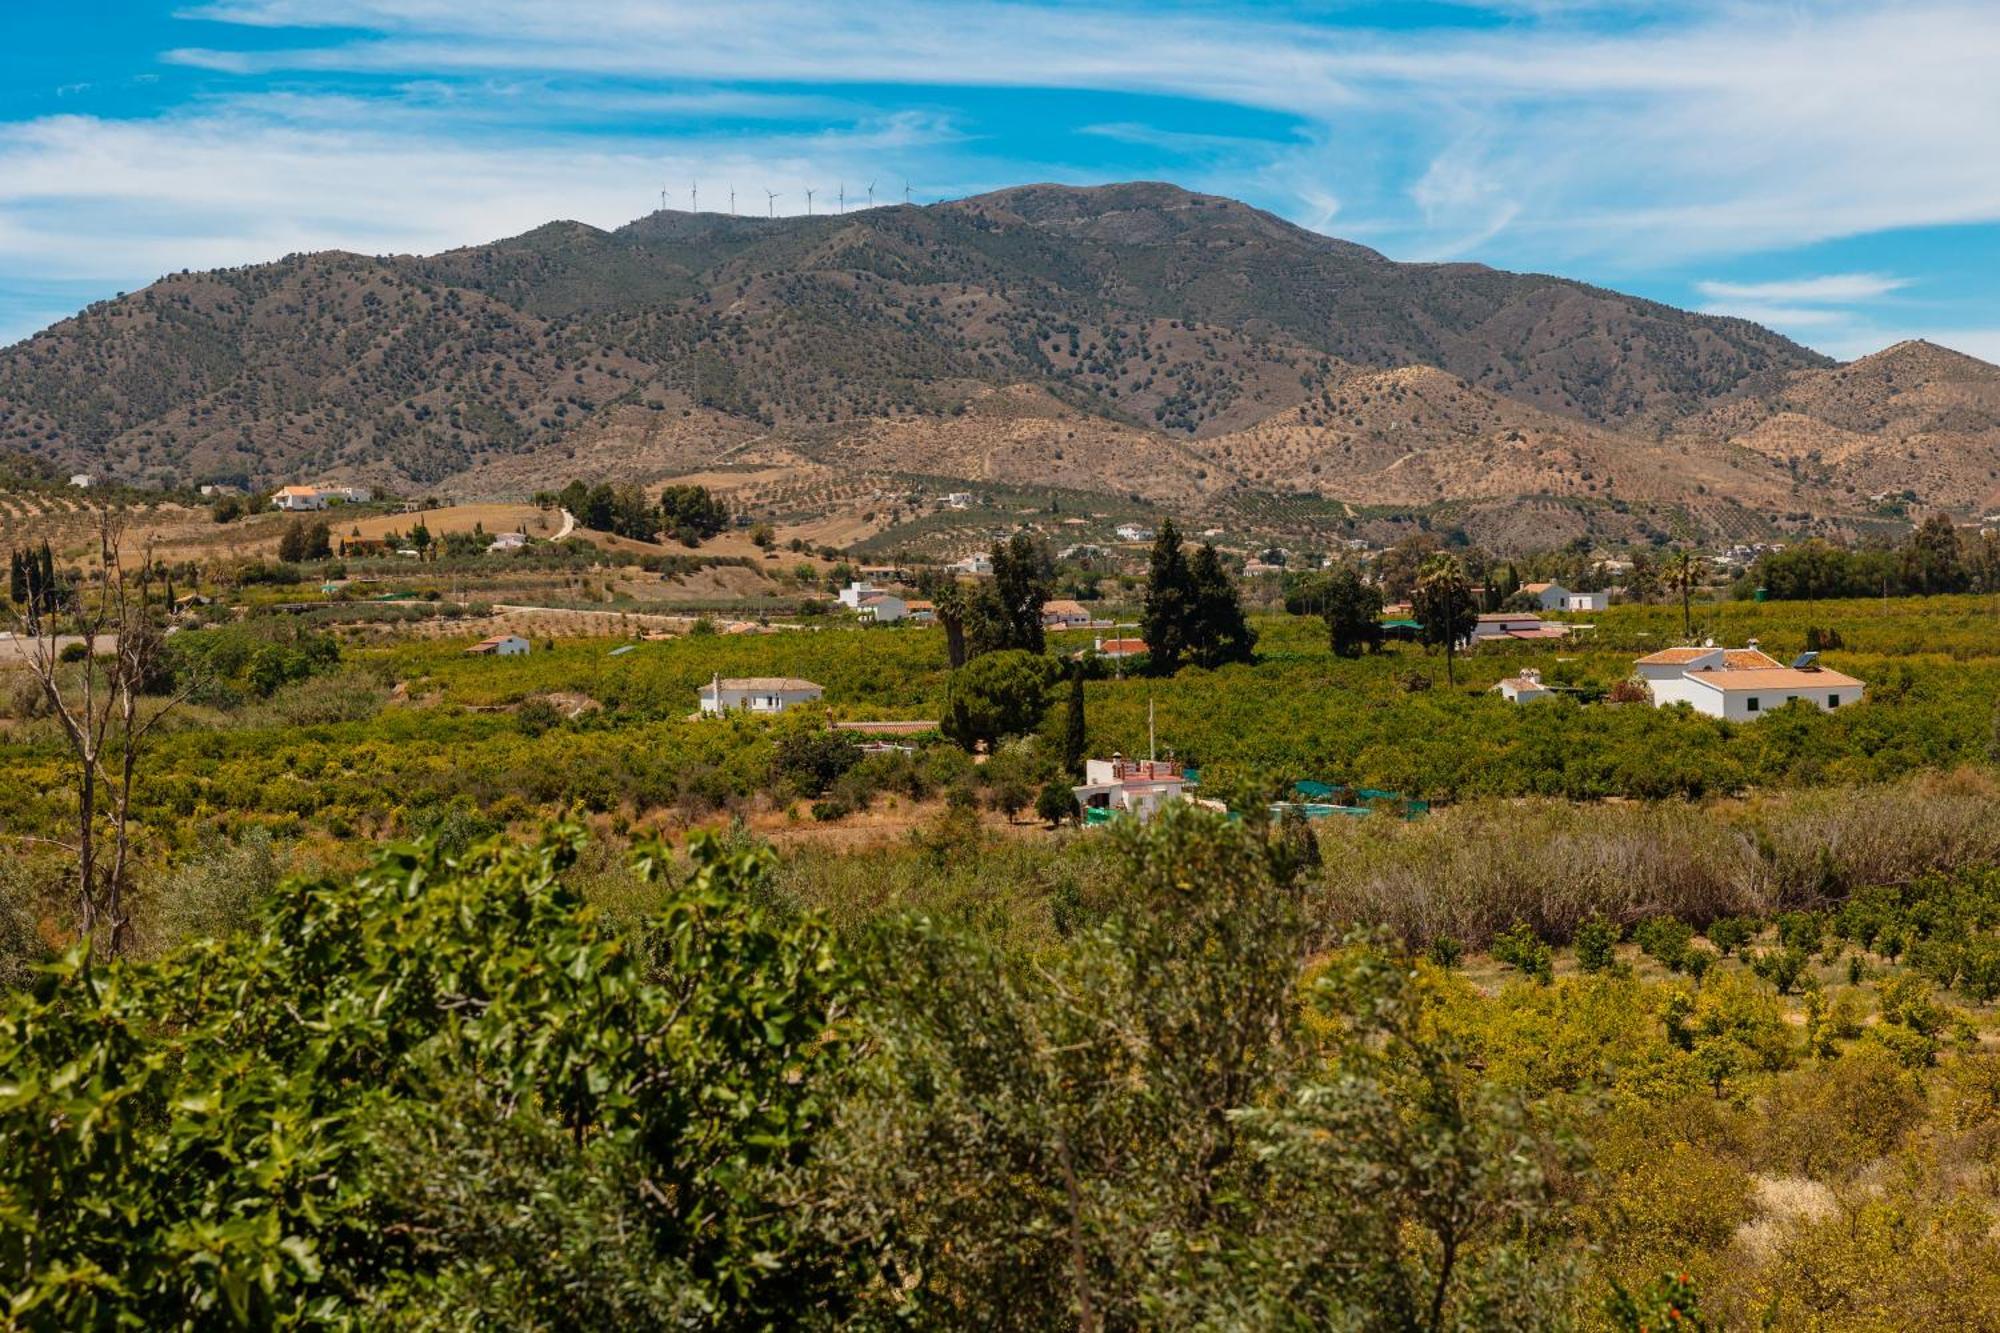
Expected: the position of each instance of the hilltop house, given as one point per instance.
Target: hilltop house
(1134, 532)
(757, 694)
(295, 499)
(1742, 684)
(501, 645)
(1138, 787)
(1524, 688)
(1555, 597)
(1063, 613)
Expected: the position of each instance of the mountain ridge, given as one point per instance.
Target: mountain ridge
(1165, 314)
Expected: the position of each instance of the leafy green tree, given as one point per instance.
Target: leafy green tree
(997, 695)
(1353, 611)
(1055, 803)
(1931, 562)
(692, 512)
(1443, 604)
(440, 1083)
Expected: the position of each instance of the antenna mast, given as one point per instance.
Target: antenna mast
(732, 201)
(843, 196)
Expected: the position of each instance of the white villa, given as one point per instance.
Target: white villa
(1555, 597)
(1742, 684)
(1131, 786)
(1524, 688)
(852, 595)
(1134, 532)
(294, 499)
(979, 564)
(757, 694)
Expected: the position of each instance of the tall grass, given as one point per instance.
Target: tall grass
(1471, 871)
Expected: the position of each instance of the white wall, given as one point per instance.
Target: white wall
(755, 701)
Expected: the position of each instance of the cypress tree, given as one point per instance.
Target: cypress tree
(1169, 602)
(1075, 743)
(1218, 631)
(17, 578)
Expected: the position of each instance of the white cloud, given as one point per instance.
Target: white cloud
(1831, 287)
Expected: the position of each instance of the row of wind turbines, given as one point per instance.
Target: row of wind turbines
(771, 198)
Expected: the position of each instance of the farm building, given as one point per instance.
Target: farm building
(1130, 786)
(1524, 688)
(501, 645)
(1506, 625)
(1063, 613)
(1118, 648)
(757, 694)
(883, 608)
(1742, 684)
(295, 499)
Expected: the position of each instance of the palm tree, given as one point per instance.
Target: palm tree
(1443, 602)
(1685, 570)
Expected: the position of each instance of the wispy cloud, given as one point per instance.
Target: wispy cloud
(1831, 287)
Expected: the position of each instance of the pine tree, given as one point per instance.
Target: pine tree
(1218, 632)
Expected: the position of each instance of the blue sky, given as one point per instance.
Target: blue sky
(1827, 167)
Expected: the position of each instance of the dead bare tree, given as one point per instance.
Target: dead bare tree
(98, 706)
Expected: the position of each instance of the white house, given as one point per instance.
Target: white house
(354, 495)
(1138, 787)
(883, 608)
(1134, 532)
(507, 541)
(501, 645)
(1524, 688)
(1063, 613)
(855, 593)
(81, 480)
(979, 564)
(1555, 597)
(296, 498)
(757, 694)
(1742, 684)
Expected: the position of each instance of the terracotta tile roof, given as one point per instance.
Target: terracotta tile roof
(1747, 659)
(783, 684)
(1674, 656)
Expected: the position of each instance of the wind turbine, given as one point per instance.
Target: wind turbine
(694, 196)
(809, 203)
(732, 201)
(906, 192)
(771, 203)
(871, 194)
(843, 196)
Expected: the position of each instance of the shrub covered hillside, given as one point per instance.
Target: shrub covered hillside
(450, 1092)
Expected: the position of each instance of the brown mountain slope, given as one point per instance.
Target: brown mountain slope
(1915, 418)
(1416, 435)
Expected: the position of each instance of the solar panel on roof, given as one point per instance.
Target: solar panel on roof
(1806, 662)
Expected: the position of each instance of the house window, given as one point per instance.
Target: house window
(1833, 701)
(1750, 704)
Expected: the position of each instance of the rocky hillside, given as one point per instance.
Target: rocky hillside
(1131, 338)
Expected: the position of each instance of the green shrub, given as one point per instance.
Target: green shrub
(1521, 948)
(1596, 944)
(1730, 933)
(1446, 951)
(1665, 940)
